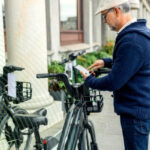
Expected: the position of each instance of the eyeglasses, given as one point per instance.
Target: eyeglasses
(105, 14)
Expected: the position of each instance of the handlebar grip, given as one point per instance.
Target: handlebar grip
(18, 68)
(102, 71)
(9, 69)
(64, 61)
(79, 53)
(72, 57)
(82, 52)
(45, 75)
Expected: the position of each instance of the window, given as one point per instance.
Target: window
(71, 21)
(68, 15)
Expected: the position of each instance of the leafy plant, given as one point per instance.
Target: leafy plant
(54, 67)
(108, 48)
(54, 85)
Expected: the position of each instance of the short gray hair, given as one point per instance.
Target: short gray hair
(125, 7)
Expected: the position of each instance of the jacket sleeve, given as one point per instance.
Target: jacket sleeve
(127, 62)
(107, 62)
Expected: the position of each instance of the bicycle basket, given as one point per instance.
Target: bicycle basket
(23, 91)
(95, 101)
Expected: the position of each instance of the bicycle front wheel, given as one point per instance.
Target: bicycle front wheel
(87, 140)
(11, 138)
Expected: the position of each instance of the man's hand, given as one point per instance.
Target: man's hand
(98, 64)
(84, 75)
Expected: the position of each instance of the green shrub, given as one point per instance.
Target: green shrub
(54, 67)
(108, 48)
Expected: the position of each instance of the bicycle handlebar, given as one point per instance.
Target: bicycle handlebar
(63, 77)
(79, 53)
(46, 75)
(64, 61)
(59, 76)
(72, 57)
(9, 69)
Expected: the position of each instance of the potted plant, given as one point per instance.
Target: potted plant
(56, 89)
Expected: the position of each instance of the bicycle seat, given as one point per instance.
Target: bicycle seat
(29, 120)
(41, 112)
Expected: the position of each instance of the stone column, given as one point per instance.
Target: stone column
(147, 18)
(55, 28)
(135, 4)
(97, 24)
(144, 12)
(26, 40)
(92, 29)
(2, 48)
(141, 10)
(91, 24)
(86, 21)
(104, 32)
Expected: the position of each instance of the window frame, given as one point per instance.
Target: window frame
(73, 36)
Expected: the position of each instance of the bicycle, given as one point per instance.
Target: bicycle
(77, 128)
(22, 123)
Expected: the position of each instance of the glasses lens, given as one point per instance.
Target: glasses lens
(104, 16)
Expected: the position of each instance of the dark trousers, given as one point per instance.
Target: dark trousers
(135, 133)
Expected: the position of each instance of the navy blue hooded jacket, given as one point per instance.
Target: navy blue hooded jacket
(130, 75)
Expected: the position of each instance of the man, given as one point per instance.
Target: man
(129, 78)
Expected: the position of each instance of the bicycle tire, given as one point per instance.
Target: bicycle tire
(10, 135)
(87, 139)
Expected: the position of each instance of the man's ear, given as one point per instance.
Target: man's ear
(117, 11)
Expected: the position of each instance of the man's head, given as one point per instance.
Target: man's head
(115, 13)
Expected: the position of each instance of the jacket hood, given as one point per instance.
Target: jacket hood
(139, 27)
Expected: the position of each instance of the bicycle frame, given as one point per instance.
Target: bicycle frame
(66, 127)
(74, 127)
(76, 122)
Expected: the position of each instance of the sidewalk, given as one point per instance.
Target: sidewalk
(107, 126)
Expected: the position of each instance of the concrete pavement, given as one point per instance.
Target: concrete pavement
(107, 126)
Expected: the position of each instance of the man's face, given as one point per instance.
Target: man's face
(109, 17)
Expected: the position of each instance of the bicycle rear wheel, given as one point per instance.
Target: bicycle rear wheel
(11, 138)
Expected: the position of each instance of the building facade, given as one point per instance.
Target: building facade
(79, 28)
